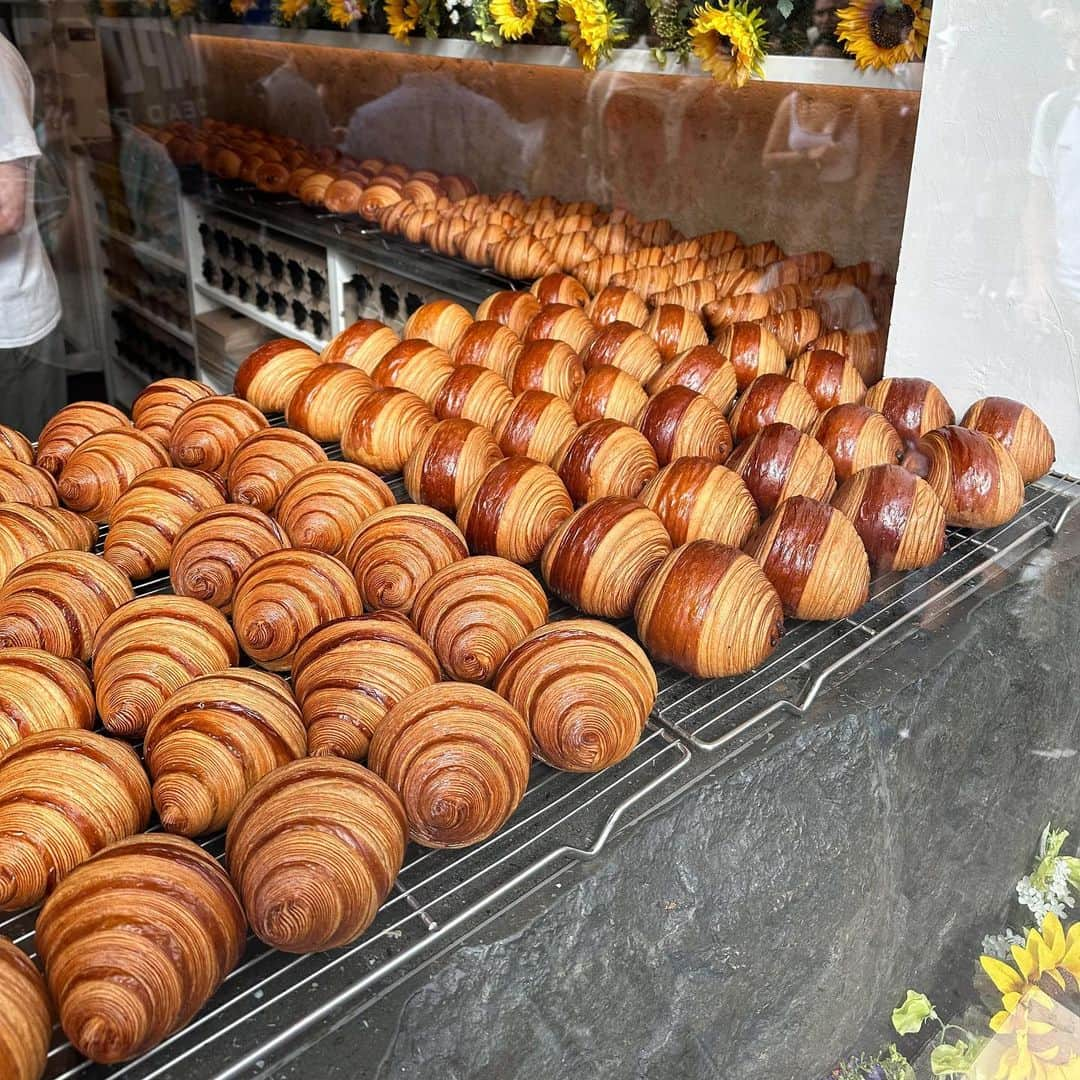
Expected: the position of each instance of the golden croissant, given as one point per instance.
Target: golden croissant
(450, 457)
(361, 345)
(385, 428)
(856, 437)
(1019, 429)
(26, 531)
(608, 393)
(680, 422)
(209, 430)
(322, 404)
(156, 408)
(262, 466)
(70, 427)
(474, 393)
(42, 692)
(513, 309)
(417, 366)
(270, 375)
(606, 457)
(25, 1015)
(547, 365)
(779, 462)
(440, 322)
(14, 444)
(488, 344)
(27, 484)
(537, 425)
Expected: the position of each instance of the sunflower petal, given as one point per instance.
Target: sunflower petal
(1001, 975)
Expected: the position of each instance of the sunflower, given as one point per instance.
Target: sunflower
(291, 10)
(346, 12)
(884, 33)
(515, 18)
(402, 17)
(728, 40)
(1038, 1040)
(591, 28)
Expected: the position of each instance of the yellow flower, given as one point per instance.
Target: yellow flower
(591, 28)
(241, 7)
(291, 10)
(727, 39)
(402, 17)
(179, 8)
(1038, 1040)
(515, 18)
(884, 33)
(346, 12)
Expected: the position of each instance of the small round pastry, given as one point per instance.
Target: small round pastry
(752, 350)
(559, 288)
(440, 322)
(780, 462)
(697, 499)
(459, 756)
(157, 407)
(624, 346)
(1019, 429)
(313, 189)
(56, 601)
(473, 612)
(679, 422)
(513, 509)
(26, 531)
(474, 393)
(897, 516)
(675, 329)
(27, 484)
(215, 738)
(537, 425)
(709, 611)
(795, 329)
(856, 437)
(702, 368)
(361, 345)
(584, 688)
(975, 478)
(297, 178)
(349, 673)
(416, 366)
(324, 505)
(314, 850)
(285, 595)
(450, 457)
(264, 464)
(606, 457)
(830, 378)
(342, 196)
(26, 1015)
(271, 374)
(865, 349)
(814, 558)
(272, 177)
(385, 428)
(547, 365)
(599, 560)
(324, 401)
(488, 344)
(42, 692)
(377, 197)
(64, 795)
(562, 322)
(772, 399)
(209, 430)
(513, 309)
(102, 468)
(912, 406)
(616, 303)
(397, 549)
(14, 444)
(608, 393)
(148, 517)
(72, 425)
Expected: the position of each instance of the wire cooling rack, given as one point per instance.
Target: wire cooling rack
(274, 1004)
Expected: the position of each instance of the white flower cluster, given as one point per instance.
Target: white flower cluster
(999, 944)
(454, 9)
(1054, 896)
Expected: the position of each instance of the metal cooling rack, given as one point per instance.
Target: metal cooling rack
(274, 1004)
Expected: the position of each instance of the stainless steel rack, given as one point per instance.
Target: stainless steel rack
(274, 1004)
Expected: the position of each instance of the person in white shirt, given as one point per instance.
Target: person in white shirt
(32, 381)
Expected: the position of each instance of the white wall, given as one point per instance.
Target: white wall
(981, 306)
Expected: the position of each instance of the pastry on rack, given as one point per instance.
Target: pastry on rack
(474, 393)
(912, 406)
(440, 322)
(865, 349)
(269, 376)
(25, 1015)
(488, 344)
(285, 595)
(449, 458)
(709, 611)
(624, 346)
(26, 531)
(207, 432)
(522, 257)
(897, 516)
(417, 366)
(675, 329)
(72, 425)
(473, 612)
(26, 484)
(100, 469)
(697, 499)
(606, 457)
(512, 510)
(856, 437)
(679, 422)
(156, 408)
(1019, 429)
(830, 377)
(213, 739)
(537, 425)
(324, 401)
(264, 464)
(814, 558)
(607, 393)
(584, 688)
(57, 601)
(513, 309)
(725, 310)
(175, 929)
(64, 795)
(385, 428)
(704, 369)
(476, 245)
(548, 365)
(616, 303)
(772, 399)
(397, 549)
(14, 444)
(314, 849)
(779, 462)
(42, 692)
(562, 322)
(458, 755)
(795, 329)
(752, 350)
(560, 288)
(361, 345)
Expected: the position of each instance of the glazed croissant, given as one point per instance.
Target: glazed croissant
(547, 365)
(606, 457)
(155, 409)
(474, 611)
(26, 484)
(441, 322)
(607, 393)
(624, 346)
(14, 444)
(26, 531)
(57, 601)
(912, 406)
(70, 427)
(385, 428)
(285, 595)
(148, 517)
(537, 425)
(561, 322)
(397, 549)
(675, 329)
(474, 393)
(174, 920)
(147, 649)
(348, 674)
(314, 850)
(64, 795)
(772, 399)
(560, 288)
(704, 369)
(514, 310)
(25, 1015)
(856, 437)
(1019, 429)
(268, 378)
(324, 401)
(488, 344)
(417, 366)
(679, 422)
(212, 551)
(830, 378)
(209, 430)
(616, 303)
(361, 345)
(780, 462)
(584, 688)
(263, 465)
(324, 505)
(447, 461)
(458, 756)
(213, 739)
(42, 692)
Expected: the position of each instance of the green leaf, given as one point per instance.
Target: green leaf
(946, 1060)
(909, 1017)
(785, 7)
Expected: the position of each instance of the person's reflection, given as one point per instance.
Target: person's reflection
(293, 105)
(822, 28)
